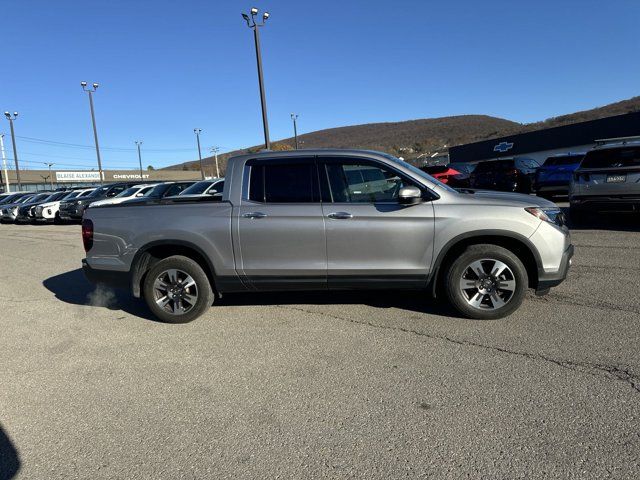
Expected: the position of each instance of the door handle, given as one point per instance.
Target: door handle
(254, 215)
(340, 215)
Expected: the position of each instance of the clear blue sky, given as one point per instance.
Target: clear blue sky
(165, 67)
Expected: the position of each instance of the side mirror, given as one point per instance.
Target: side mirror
(409, 196)
(139, 194)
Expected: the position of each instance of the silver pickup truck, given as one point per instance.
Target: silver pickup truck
(329, 220)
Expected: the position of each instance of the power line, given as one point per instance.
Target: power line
(91, 147)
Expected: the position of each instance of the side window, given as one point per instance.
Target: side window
(216, 188)
(283, 182)
(116, 190)
(362, 182)
(174, 190)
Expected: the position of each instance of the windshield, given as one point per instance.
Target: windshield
(129, 192)
(463, 167)
(39, 197)
(612, 158)
(568, 160)
(99, 192)
(25, 199)
(55, 196)
(71, 195)
(197, 188)
(420, 173)
(85, 193)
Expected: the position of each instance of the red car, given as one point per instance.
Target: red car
(444, 173)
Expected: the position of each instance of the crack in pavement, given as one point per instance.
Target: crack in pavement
(566, 300)
(612, 372)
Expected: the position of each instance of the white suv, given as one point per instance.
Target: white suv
(49, 212)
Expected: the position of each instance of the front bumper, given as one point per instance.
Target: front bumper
(110, 278)
(548, 280)
(72, 213)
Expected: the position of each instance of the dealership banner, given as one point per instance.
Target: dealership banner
(77, 176)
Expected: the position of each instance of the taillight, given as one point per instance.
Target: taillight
(87, 234)
(513, 172)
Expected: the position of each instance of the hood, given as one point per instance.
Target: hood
(507, 199)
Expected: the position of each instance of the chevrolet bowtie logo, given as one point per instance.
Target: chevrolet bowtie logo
(503, 147)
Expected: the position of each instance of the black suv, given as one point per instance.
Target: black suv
(505, 174)
(74, 209)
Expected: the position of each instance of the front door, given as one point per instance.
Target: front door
(281, 227)
(372, 240)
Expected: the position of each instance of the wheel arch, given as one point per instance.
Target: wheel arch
(514, 242)
(155, 251)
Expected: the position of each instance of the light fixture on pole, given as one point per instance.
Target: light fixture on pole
(7, 187)
(294, 117)
(11, 119)
(197, 132)
(91, 91)
(255, 26)
(49, 165)
(215, 151)
(138, 143)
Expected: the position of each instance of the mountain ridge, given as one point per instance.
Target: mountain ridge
(416, 138)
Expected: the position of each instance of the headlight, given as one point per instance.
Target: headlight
(550, 214)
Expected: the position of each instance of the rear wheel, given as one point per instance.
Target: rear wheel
(486, 282)
(177, 290)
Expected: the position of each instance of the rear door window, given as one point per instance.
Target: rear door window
(283, 181)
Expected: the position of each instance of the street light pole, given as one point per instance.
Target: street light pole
(215, 151)
(50, 177)
(197, 132)
(138, 143)
(4, 164)
(255, 26)
(91, 91)
(13, 142)
(294, 117)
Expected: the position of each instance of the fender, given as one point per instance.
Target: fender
(435, 270)
(142, 259)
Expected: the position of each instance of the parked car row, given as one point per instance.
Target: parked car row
(606, 178)
(70, 205)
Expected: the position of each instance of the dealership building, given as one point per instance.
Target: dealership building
(541, 144)
(45, 180)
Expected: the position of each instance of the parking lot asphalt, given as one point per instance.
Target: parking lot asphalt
(377, 385)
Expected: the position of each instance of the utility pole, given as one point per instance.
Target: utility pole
(13, 141)
(50, 177)
(138, 143)
(294, 117)
(255, 26)
(215, 151)
(197, 132)
(93, 122)
(4, 164)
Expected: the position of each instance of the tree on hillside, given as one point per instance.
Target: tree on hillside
(150, 168)
(281, 147)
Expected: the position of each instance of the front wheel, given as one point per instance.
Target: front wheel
(177, 290)
(486, 282)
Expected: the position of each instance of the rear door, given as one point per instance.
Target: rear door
(372, 240)
(281, 230)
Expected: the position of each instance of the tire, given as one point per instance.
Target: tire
(190, 301)
(487, 297)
